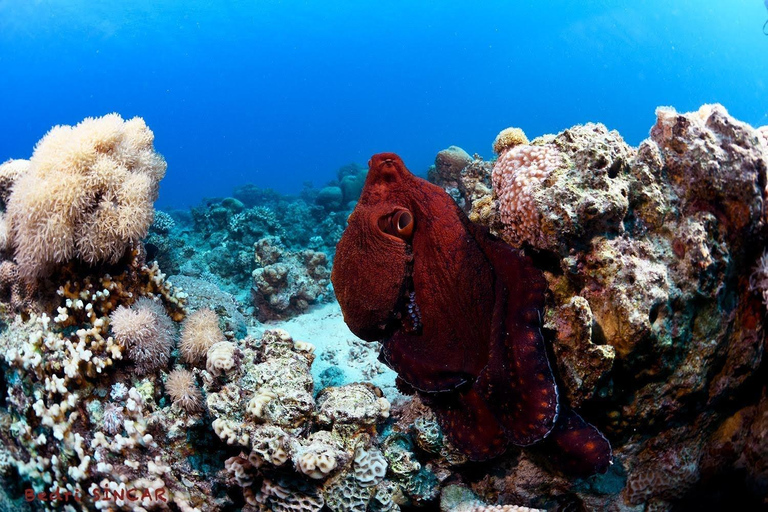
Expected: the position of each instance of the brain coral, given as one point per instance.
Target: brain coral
(87, 195)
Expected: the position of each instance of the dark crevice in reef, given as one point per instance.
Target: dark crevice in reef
(547, 261)
(725, 491)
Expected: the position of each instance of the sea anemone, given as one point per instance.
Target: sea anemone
(199, 332)
(181, 387)
(147, 333)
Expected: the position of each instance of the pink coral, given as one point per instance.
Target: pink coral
(517, 174)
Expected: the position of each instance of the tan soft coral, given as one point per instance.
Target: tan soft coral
(87, 195)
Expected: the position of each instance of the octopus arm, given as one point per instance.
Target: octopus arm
(469, 424)
(518, 383)
(582, 449)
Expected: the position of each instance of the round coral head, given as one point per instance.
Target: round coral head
(509, 138)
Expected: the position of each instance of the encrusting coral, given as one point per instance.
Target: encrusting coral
(87, 195)
(518, 173)
(299, 453)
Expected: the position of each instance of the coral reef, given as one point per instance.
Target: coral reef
(299, 453)
(285, 282)
(655, 326)
(215, 242)
(66, 431)
(655, 262)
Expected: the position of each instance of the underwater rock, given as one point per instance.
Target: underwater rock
(351, 179)
(448, 166)
(331, 198)
(456, 498)
(286, 283)
(559, 191)
(251, 195)
(475, 187)
(581, 363)
(655, 327)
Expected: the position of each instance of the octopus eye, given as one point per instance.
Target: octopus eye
(398, 223)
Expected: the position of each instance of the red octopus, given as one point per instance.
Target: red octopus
(458, 315)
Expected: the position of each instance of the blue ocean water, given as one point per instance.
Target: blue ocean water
(278, 93)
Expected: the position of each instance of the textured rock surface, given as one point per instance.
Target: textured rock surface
(285, 282)
(656, 330)
(657, 279)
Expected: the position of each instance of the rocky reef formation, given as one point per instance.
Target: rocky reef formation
(658, 334)
(658, 284)
(299, 452)
(223, 241)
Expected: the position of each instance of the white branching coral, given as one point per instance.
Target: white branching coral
(87, 195)
(518, 172)
(147, 333)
